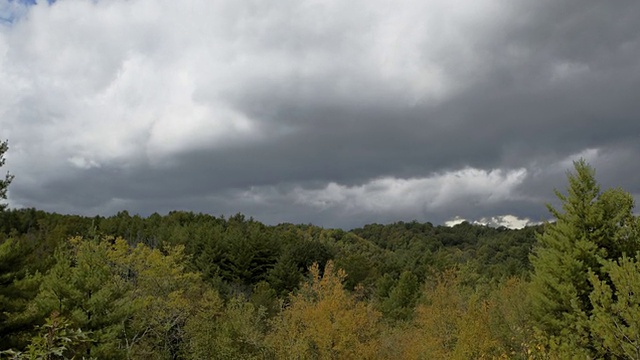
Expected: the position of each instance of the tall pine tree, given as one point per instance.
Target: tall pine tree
(615, 321)
(592, 227)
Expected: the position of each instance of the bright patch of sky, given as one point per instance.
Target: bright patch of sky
(13, 10)
(508, 221)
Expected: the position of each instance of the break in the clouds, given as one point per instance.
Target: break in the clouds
(328, 112)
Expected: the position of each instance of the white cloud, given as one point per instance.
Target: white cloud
(83, 163)
(455, 221)
(465, 187)
(124, 81)
(508, 221)
(590, 155)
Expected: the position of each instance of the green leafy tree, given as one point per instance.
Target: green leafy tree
(509, 320)
(235, 331)
(57, 339)
(263, 295)
(164, 296)
(593, 226)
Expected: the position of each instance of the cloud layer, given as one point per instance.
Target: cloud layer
(330, 112)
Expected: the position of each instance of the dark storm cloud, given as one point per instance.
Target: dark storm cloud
(322, 112)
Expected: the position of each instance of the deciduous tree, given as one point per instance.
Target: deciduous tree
(323, 321)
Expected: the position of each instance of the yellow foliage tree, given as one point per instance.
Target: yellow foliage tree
(323, 321)
(451, 325)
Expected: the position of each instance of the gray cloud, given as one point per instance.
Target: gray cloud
(326, 112)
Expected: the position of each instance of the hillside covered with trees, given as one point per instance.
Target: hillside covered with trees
(196, 286)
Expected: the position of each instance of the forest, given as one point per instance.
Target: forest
(194, 286)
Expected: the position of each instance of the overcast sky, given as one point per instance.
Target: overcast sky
(336, 113)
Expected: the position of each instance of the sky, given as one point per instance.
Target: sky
(335, 113)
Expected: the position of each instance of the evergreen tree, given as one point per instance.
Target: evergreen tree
(615, 321)
(593, 226)
(15, 291)
(401, 298)
(84, 287)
